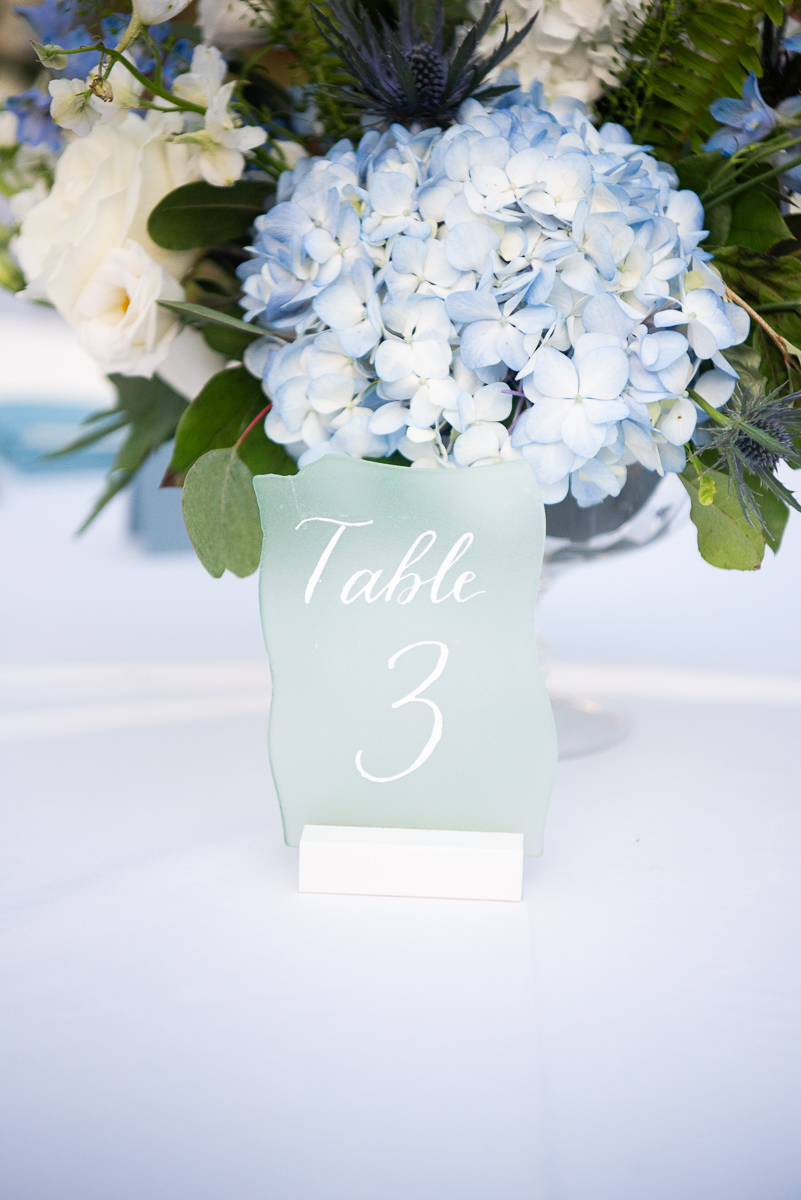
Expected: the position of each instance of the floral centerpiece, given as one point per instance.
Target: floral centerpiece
(338, 231)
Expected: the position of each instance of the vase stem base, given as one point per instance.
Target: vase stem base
(584, 727)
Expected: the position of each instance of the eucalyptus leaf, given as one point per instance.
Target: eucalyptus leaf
(725, 537)
(198, 214)
(221, 514)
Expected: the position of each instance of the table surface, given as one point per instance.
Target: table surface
(177, 1022)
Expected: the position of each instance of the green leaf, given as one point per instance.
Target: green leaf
(746, 361)
(755, 222)
(718, 221)
(218, 417)
(221, 514)
(762, 279)
(774, 512)
(198, 214)
(265, 457)
(725, 538)
(199, 314)
(150, 410)
(231, 342)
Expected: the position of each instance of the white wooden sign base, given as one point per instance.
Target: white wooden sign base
(441, 863)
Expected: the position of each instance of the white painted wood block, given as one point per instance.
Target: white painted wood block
(444, 863)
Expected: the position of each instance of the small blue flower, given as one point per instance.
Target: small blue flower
(34, 127)
(746, 121)
(52, 20)
(792, 44)
(56, 21)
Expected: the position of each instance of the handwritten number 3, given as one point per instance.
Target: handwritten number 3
(414, 697)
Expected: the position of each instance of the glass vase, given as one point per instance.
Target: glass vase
(648, 508)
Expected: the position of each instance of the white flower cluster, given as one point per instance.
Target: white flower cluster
(520, 284)
(80, 105)
(574, 48)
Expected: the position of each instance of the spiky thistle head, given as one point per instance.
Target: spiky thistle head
(406, 74)
(750, 436)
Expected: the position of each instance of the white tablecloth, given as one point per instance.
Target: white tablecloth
(177, 1022)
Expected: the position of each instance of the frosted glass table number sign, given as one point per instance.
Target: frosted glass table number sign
(398, 610)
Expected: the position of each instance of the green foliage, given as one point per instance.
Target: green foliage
(11, 278)
(774, 513)
(755, 222)
(150, 411)
(725, 537)
(198, 214)
(231, 342)
(762, 281)
(685, 55)
(199, 314)
(218, 417)
(221, 514)
(311, 66)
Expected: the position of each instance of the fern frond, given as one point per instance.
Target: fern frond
(685, 55)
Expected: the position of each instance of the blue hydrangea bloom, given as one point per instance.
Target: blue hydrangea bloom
(521, 284)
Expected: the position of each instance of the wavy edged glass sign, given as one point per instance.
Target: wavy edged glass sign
(398, 611)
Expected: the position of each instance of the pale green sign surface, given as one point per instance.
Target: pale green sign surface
(398, 609)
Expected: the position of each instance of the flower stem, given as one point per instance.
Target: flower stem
(750, 183)
(781, 342)
(708, 409)
(253, 423)
(151, 85)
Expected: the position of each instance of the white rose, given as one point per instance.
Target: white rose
(106, 186)
(24, 201)
(116, 312)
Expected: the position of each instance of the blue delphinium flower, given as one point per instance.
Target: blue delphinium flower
(792, 44)
(51, 20)
(749, 120)
(58, 22)
(34, 125)
(746, 121)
